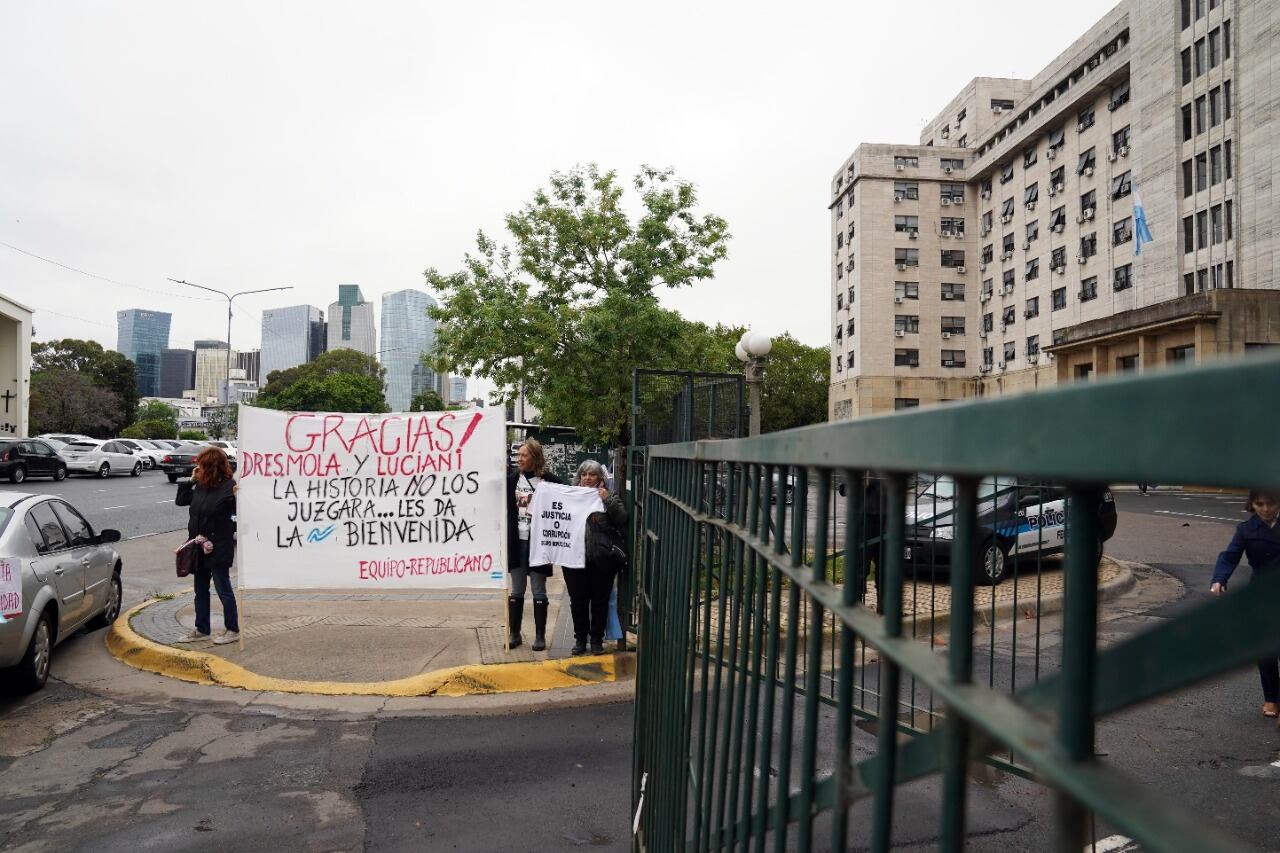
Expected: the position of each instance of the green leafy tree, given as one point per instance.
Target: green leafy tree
(104, 369)
(427, 401)
(154, 410)
(192, 435)
(133, 431)
(117, 374)
(67, 401)
(572, 307)
(157, 428)
(338, 381)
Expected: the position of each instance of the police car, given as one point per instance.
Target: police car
(1016, 519)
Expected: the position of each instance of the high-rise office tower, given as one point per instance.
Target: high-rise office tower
(177, 372)
(408, 333)
(251, 363)
(351, 322)
(457, 389)
(141, 336)
(211, 370)
(290, 336)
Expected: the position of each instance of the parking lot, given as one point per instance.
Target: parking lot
(136, 506)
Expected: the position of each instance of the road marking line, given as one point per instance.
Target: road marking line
(122, 506)
(1194, 515)
(1109, 844)
(164, 502)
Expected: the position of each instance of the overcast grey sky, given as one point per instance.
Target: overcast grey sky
(245, 145)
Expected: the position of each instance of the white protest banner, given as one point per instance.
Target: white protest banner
(372, 501)
(10, 589)
(558, 533)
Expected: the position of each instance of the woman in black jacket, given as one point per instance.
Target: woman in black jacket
(531, 470)
(211, 494)
(589, 587)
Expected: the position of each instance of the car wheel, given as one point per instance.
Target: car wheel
(137, 469)
(173, 478)
(60, 473)
(992, 561)
(112, 610)
(18, 474)
(33, 670)
(104, 471)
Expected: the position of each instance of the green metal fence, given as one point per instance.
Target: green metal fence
(755, 727)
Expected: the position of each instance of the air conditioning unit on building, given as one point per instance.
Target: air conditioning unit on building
(1124, 150)
(1080, 127)
(946, 170)
(1004, 256)
(985, 297)
(946, 295)
(1088, 171)
(913, 235)
(983, 334)
(948, 363)
(986, 368)
(899, 333)
(1026, 244)
(1060, 269)
(1028, 313)
(1031, 205)
(1111, 156)
(1000, 365)
(982, 267)
(1032, 358)
(946, 201)
(946, 336)
(1007, 288)
(1053, 189)
(1079, 218)
(1081, 259)
(997, 110)
(960, 270)
(897, 300)
(1088, 213)
(1057, 229)
(902, 267)
(1006, 218)
(897, 198)
(1051, 154)
(900, 167)
(986, 194)
(984, 232)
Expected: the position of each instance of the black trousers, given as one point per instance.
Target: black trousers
(1269, 671)
(589, 600)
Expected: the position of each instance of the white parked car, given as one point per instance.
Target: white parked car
(149, 453)
(101, 458)
(226, 447)
(65, 437)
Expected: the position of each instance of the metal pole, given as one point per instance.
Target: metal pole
(755, 379)
(226, 394)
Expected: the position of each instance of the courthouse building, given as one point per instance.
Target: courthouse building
(998, 254)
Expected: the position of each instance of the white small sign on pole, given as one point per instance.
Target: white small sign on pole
(351, 501)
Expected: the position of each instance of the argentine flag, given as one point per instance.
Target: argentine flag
(1141, 232)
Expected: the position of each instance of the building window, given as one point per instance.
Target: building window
(951, 226)
(1215, 224)
(839, 272)
(953, 291)
(1121, 185)
(1202, 171)
(1058, 298)
(988, 322)
(1188, 181)
(1007, 317)
(1083, 371)
(988, 253)
(1215, 165)
(1127, 364)
(952, 258)
(952, 163)
(850, 297)
(906, 290)
(1006, 280)
(1186, 13)
(839, 333)
(1089, 288)
(1226, 39)
(1186, 122)
(1119, 96)
(1122, 231)
(962, 142)
(1033, 230)
(1001, 104)
(1120, 139)
(906, 161)
(1188, 234)
(1215, 106)
(849, 264)
(1202, 279)
(840, 301)
(840, 240)
(906, 190)
(1215, 47)
(900, 403)
(988, 356)
(839, 364)
(1006, 244)
(1181, 355)
(1032, 307)
(907, 257)
(953, 193)
(1056, 139)
(1226, 157)
(1088, 159)
(1028, 158)
(1088, 246)
(953, 358)
(1033, 345)
(1186, 65)
(1122, 279)
(1006, 173)
(849, 328)
(906, 224)
(1226, 99)
(1059, 335)
(1202, 229)
(1201, 115)
(1010, 351)
(953, 325)
(1084, 120)
(906, 358)
(1227, 216)
(1057, 180)
(1032, 194)
(851, 230)
(1058, 219)
(1188, 283)
(849, 359)
(1006, 209)
(906, 323)
(1088, 203)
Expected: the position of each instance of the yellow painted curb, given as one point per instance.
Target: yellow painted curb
(137, 651)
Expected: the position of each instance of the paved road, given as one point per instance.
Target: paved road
(136, 506)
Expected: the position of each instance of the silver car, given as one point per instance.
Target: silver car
(56, 576)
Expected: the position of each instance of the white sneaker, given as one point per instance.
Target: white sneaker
(192, 637)
(226, 638)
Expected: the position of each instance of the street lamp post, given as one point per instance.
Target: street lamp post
(752, 349)
(231, 298)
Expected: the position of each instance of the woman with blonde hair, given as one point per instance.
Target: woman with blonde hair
(530, 472)
(211, 522)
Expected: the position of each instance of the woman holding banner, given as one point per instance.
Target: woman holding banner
(530, 472)
(211, 494)
(590, 587)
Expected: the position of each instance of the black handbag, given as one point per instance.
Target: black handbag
(187, 559)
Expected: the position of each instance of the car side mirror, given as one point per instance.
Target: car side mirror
(108, 535)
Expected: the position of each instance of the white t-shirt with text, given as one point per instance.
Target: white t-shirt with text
(558, 533)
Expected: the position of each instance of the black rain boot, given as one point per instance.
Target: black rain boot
(515, 616)
(540, 608)
(579, 646)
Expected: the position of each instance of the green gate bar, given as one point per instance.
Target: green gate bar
(737, 594)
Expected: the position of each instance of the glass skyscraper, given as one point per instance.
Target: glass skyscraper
(141, 335)
(407, 334)
(177, 372)
(351, 322)
(290, 337)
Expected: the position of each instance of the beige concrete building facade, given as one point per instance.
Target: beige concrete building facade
(998, 254)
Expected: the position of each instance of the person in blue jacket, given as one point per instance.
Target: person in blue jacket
(1257, 538)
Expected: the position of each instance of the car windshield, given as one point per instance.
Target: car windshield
(944, 488)
(5, 515)
(54, 443)
(150, 445)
